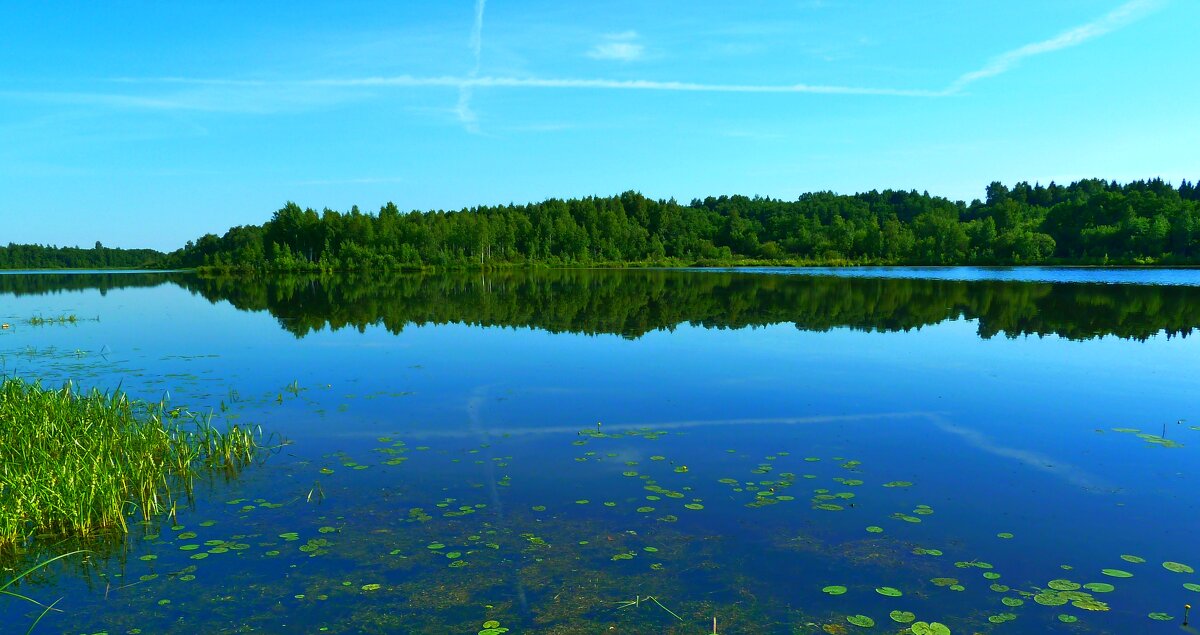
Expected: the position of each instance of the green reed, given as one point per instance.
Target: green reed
(80, 464)
(39, 320)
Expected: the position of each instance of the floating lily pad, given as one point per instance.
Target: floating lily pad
(902, 617)
(1050, 599)
(861, 620)
(1162, 617)
(1067, 619)
(1177, 567)
(1011, 601)
(888, 591)
(1005, 535)
(875, 529)
(1116, 573)
(1063, 585)
(834, 589)
(1192, 586)
(1133, 559)
(1099, 587)
(371, 587)
(898, 484)
(694, 506)
(929, 628)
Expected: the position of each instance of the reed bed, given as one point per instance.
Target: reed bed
(77, 464)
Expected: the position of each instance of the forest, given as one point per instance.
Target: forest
(15, 256)
(1089, 222)
(1093, 222)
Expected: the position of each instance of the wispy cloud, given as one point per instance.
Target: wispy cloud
(462, 109)
(265, 96)
(1122, 16)
(622, 47)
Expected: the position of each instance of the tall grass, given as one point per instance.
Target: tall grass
(80, 464)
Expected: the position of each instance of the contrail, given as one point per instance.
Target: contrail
(463, 109)
(1118, 18)
(1114, 20)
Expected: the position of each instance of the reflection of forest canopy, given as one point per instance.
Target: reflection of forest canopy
(46, 283)
(632, 303)
(1090, 221)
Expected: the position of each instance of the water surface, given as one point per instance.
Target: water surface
(719, 440)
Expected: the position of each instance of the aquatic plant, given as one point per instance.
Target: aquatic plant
(4, 588)
(77, 464)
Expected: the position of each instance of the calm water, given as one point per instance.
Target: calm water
(539, 448)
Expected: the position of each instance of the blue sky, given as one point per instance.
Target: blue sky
(149, 124)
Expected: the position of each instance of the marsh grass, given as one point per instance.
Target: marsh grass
(75, 465)
(62, 320)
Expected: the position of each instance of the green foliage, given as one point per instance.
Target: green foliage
(1090, 221)
(77, 464)
(16, 256)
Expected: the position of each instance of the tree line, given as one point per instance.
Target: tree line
(14, 256)
(1087, 222)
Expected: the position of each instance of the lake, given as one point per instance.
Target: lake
(783, 450)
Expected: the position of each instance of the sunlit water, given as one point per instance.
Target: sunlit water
(574, 440)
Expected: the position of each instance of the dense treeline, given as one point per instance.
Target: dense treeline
(633, 303)
(1087, 222)
(15, 256)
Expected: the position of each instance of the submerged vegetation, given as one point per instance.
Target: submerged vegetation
(1087, 222)
(81, 464)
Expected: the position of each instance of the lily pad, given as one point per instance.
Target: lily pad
(888, 591)
(1099, 587)
(1162, 617)
(1177, 567)
(902, 617)
(1192, 586)
(1063, 585)
(1116, 573)
(875, 529)
(1133, 559)
(861, 620)
(1067, 619)
(929, 628)
(834, 589)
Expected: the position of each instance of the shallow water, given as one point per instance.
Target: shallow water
(550, 429)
